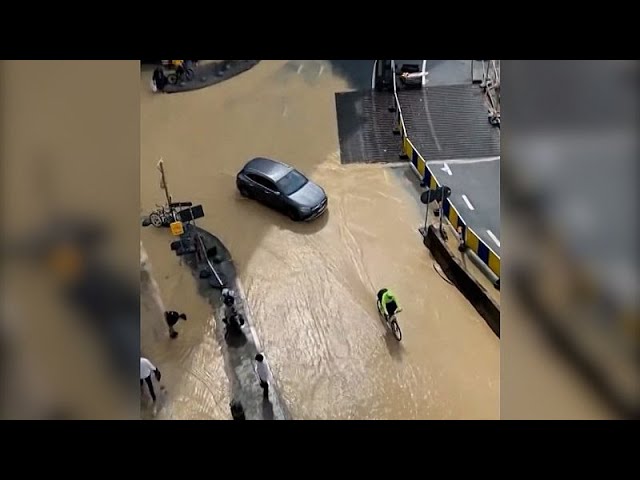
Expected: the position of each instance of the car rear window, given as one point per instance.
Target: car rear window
(291, 182)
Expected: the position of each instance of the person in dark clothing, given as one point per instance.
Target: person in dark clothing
(237, 411)
(159, 79)
(388, 302)
(172, 318)
(188, 64)
(263, 375)
(234, 323)
(228, 297)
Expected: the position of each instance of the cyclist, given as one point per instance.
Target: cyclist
(388, 302)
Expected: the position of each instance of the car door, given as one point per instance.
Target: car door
(272, 195)
(266, 189)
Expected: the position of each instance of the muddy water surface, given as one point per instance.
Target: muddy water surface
(312, 286)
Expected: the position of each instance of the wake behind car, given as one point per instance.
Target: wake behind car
(282, 188)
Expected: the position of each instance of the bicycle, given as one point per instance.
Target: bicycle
(391, 322)
(164, 215)
(183, 72)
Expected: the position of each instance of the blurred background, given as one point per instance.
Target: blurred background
(69, 161)
(569, 178)
(69, 151)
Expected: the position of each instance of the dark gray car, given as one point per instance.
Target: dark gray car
(282, 188)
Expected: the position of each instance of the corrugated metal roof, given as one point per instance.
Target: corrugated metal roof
(365, 127)
(449, 122)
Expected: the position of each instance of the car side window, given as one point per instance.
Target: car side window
(262, 181)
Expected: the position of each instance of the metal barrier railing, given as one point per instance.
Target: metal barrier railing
(401, 125)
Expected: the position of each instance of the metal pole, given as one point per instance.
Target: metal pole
(485, 73)
(426, 217)
(163, 181)
(393, 75)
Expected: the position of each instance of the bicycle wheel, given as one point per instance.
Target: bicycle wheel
(156, 220)
(395, 328)
(172, 78)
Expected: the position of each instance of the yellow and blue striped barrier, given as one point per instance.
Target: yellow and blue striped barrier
(471, 239)
(420, 167)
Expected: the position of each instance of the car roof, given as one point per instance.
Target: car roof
(271, 169)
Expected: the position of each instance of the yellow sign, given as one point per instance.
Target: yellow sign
(176, 228)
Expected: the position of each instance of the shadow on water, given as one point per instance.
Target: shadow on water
(235, 339)
(306, 228)
(395, 347)
(267, 410)
(269, 217)
(396, 350)
(148, 409)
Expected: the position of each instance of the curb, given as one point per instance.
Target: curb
(470, 288)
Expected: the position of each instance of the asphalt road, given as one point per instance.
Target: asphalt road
(475, 192)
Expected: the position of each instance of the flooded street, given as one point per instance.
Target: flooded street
(311, 287)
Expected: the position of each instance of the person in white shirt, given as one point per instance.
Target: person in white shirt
(263, 375)
(146, 369)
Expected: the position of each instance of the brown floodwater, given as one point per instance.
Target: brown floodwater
(311, 287)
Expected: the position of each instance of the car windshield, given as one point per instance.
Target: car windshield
(291, 182)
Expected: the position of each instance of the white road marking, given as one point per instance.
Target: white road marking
(321, 70)
(446, 168)
(299, 68)
(373, 75)
(466, 200)
(424, 70)
(284, 111)
(431, 127)
(461, 160)
(493, 237)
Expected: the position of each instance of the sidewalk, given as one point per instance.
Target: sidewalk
(239, 352)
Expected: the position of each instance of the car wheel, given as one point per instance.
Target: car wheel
(244, 192)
